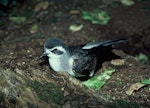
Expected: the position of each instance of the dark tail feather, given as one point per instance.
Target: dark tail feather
(103, 43)
(104, 52)
(112, 42)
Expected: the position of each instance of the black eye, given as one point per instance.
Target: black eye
(56, 51)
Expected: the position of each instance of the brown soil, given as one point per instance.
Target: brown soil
(20, 48)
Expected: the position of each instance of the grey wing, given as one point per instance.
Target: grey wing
(102, 43)
(84, 64)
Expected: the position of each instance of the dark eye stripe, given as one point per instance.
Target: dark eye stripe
(56, 51)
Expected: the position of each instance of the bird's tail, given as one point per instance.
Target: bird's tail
(112, 42)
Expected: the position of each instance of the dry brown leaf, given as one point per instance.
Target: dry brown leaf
(134, 87)
(41, 6)
(74, 12)
(118, 62)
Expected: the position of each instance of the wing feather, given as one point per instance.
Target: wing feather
(102, 43)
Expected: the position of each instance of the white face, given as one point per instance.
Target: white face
(55, 52)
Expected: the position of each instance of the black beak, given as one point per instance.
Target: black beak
(43, 55)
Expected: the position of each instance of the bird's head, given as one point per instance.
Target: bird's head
(54, 48)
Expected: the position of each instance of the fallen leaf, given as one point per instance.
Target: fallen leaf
(96, 17)
(146, 81)
(41, 6)
(134, 87)
(74, 12)
(17, 20)
(99, 80)
(142, 58)
(34, 28)
(127, 2)
(118, 62)
(75, 27)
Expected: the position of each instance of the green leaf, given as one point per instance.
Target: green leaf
(98, 81)
(86, 15)
(142, 58)
(127, 2)
(34, 28)
(146, 81)
(17, 20)
(8, 2)
(94, 83)
(76, 27)
(4, 2)
(96, 17)
(118, 62)
(1, 23)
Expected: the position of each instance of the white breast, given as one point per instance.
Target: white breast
(62, 65)
(55, 64)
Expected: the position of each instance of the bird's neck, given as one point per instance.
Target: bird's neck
(61, 64)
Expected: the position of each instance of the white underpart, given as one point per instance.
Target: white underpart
(92, 73)
(60, 63)
(55, 65)
(71, 66)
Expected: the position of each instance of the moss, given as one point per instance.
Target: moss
(30, 105)
(3, 81)
(1, 97)
(123, 104)
(47, 92)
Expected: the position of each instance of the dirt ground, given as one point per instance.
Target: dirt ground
(21, 47)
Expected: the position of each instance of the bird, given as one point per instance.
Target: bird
(79, 60)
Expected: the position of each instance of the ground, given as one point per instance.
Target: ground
(21, 46)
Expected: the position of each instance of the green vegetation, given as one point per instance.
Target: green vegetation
(30, 105)
(1, 97)
(47, 92)
(142, 58)
(123, 104)
(96, 17)
(34, 28)
(127, 2)
(106, 96)
(17, 20)
(6, 2)
(76, 27)
(146, 81)
(3, 81)
(1, 23)
(99, 80)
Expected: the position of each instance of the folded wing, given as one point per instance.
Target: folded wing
(102, 43)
